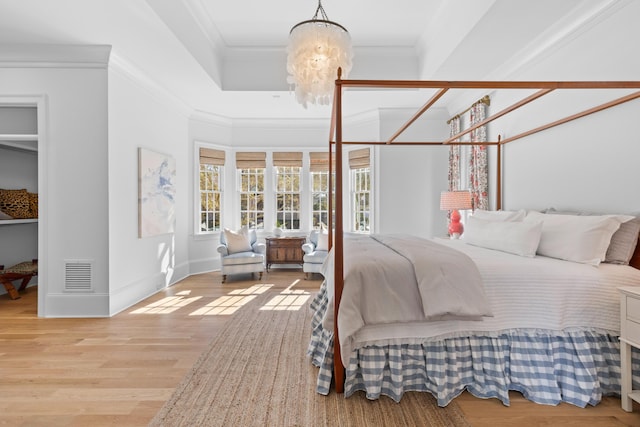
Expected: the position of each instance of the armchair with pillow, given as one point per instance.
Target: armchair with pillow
(315, 251)
(240, 252)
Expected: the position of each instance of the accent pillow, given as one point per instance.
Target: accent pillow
(33, 204)
(578, 238)
(323, 242)
(237, 241)
(4, 216)
(519, 238)
(15, 203)
(500, 215)
(623, 242)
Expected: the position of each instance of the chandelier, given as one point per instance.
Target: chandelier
(317, 48)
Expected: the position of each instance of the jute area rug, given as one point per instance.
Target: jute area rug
(256, 373)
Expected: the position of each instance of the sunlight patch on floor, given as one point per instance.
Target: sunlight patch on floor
(165, 305)
(231, 302)
(286, 302)
(288, 299)
(253, 290)
(225, 305)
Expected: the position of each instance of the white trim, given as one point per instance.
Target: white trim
(196, 185)
(54, 56)
(127, 70)
(41, 104)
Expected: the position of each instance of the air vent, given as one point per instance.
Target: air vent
(77, 275)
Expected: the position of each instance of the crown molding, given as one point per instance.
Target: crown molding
(128, 70)
(54, 56)
(281, 123)
(211, 118)
(575, 24)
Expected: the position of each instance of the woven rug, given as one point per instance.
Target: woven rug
(256, 373)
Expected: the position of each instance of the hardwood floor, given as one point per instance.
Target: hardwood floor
(121, 370)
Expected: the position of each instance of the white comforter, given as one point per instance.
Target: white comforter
(378, 306)
(392, 279)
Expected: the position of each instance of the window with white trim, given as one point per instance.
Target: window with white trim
(319, 172)
(288, 170)
(211, 189)
(251, 174)
(360, 190)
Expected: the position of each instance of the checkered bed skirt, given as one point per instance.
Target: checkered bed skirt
(547, 367)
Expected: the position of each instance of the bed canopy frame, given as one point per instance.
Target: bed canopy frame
(336, 144)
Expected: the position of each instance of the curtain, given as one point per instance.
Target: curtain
(454, 156)
(478, 163)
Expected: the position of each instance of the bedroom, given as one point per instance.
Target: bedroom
(112, 96)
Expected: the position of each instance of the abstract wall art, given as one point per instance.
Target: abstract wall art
(156, 193)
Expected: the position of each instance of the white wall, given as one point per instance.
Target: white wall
(410, 179)
(592, 163)
(140, 267)
(73, 188)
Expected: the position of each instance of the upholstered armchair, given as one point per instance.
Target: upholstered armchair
(315, 252)
(240, 252)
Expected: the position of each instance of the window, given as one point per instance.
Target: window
(361, 185)
(320, 196)
(211, 172)
(251, 171)
(319, 168)
(288, 168)
(252, 197)
(360, 190)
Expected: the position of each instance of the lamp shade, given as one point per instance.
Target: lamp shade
(452, 200)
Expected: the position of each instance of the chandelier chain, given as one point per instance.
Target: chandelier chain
(320, 9)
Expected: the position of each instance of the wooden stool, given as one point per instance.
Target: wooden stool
(23, 271)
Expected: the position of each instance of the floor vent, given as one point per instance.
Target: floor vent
(77, 275)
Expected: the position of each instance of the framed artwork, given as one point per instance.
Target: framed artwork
(156, 193)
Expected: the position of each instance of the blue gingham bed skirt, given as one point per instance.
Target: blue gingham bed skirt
(547, 367)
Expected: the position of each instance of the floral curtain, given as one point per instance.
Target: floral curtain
(478, 163)
(454, 156)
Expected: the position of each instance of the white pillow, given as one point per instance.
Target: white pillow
(323, 242)
(500, 215)
(519, 238)
(577, 238)
(237, 241)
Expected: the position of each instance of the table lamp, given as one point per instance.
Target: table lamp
(452, 201)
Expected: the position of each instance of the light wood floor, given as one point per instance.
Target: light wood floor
(121, 370)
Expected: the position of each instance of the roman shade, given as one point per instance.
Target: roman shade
(210, 156)
(319, 162)
(251, 159)
(359, 159)
(291, 159)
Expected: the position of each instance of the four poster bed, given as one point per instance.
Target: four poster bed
(400, 313)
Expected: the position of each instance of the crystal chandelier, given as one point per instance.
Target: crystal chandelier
(317, 48)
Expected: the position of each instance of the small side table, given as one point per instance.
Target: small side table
(284, 250)
(629, 337)
(23, 271)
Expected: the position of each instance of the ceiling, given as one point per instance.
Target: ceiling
(228, 58)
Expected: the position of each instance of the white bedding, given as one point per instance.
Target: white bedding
(522, 292)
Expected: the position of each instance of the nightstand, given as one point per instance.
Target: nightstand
(284, 250)
(629, 337)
